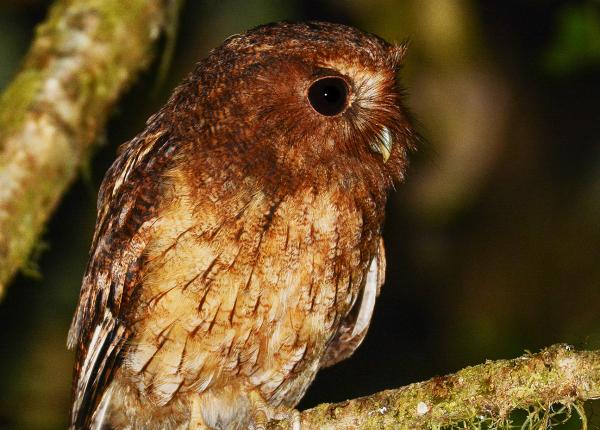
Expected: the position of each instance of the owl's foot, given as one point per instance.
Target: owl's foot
(263, 413)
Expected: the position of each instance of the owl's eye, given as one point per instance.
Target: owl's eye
(328, 96)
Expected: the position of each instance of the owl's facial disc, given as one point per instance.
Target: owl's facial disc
(383, 144)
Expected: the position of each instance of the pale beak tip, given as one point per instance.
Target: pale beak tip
(384, 144)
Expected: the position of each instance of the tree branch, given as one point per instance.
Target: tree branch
(485, 393)
(84, 55)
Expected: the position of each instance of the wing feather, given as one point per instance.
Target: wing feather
(126, 213)
(354, 327)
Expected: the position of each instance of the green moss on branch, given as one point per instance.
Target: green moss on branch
(486, 395)
(83, 57)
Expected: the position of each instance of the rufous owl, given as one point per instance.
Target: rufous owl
(238, 244)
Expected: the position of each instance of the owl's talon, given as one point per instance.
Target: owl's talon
(263, 413)
(290, 414)
(259, 419)
(295, 419)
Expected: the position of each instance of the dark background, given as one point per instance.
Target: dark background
(493, 242)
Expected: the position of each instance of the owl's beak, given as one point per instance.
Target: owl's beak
(383, 144)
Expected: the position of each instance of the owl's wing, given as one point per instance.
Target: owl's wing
(126, 212)
(356, 324)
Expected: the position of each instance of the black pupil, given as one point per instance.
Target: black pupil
(328, 96)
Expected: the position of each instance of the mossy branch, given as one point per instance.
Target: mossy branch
(82, 58)
(483, 394)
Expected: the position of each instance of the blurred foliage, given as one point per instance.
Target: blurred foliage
(577, 40)
(493, 242)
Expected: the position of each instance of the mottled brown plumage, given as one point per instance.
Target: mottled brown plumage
(238, 243)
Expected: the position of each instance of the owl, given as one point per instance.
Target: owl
(238, 244)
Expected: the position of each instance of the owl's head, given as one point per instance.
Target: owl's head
(303, 100)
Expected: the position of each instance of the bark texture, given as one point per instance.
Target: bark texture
(82, 58)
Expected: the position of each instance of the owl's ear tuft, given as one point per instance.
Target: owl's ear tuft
(397, 53)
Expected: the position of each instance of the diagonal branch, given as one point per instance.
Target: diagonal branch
(83, 57)
(488, 392)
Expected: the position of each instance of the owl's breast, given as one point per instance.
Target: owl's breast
(247, 291)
